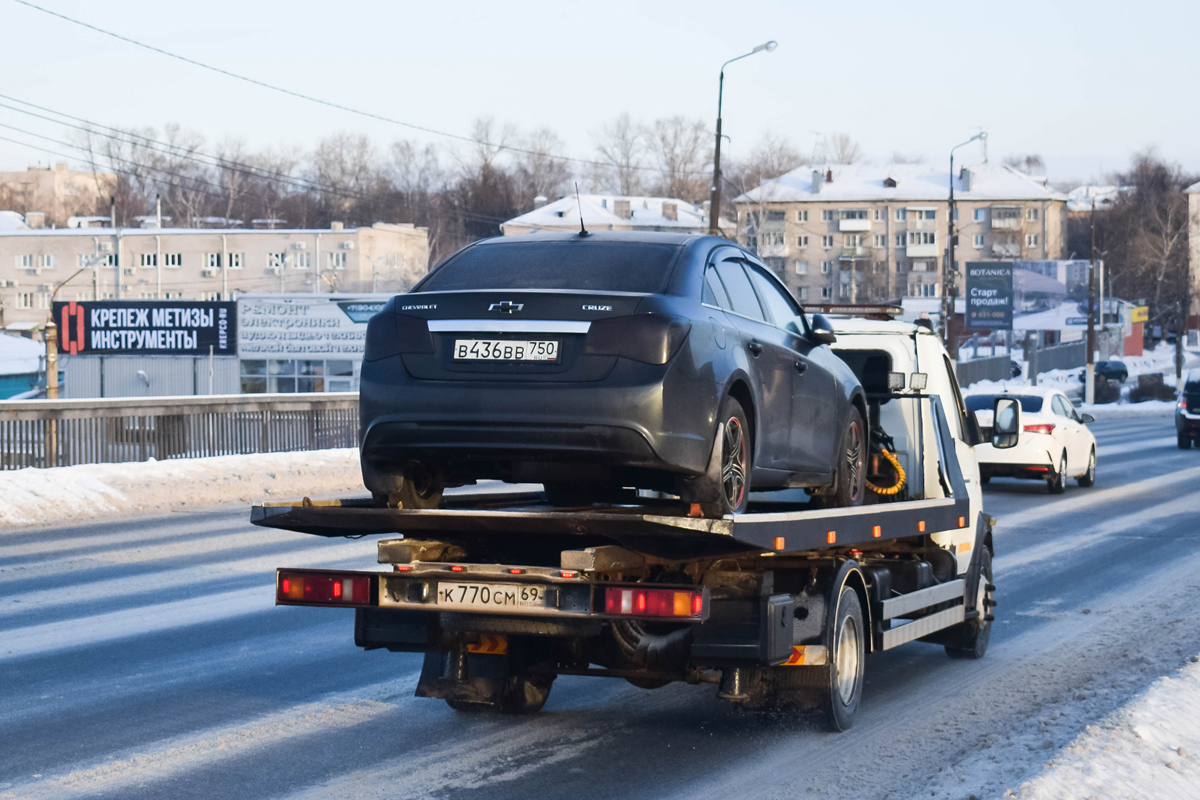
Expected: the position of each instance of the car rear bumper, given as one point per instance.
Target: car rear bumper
(1026, 460)
(1187, 423)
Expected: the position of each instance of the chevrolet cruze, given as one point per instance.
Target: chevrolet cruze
(598, 364)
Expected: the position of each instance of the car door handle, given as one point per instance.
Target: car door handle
(801, 366)
(755, 348)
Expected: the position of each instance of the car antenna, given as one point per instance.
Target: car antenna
(579, 203)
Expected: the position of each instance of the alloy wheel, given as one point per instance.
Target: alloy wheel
(733, 463)
(854, 461)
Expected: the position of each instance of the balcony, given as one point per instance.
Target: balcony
(1005, 218)
(1006, 250)
(921, 251)
(854, 225)
(855, 252)
(920, 224)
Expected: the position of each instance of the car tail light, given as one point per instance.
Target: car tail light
(390, 334)
(1046, 429)
(637, 602)
(322, 588)
(651, 338)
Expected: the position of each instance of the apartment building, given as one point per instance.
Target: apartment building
(55, 193)
(866, 232)
(613, 213)
(199, 264)
(1193, 196)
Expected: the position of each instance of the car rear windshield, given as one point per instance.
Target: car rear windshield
(582, 265)
(984, 402)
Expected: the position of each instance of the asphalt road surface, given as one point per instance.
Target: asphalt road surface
(145, 659)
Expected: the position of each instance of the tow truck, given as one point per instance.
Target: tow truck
(778, 607)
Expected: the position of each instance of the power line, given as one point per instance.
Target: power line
(331, 104)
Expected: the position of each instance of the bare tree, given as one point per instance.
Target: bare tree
(902, 158)
(682, 149)
(622, 144)
(539, 170)
(840, 148)
(1030, 163)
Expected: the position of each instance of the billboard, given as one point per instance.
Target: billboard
(301, 325)
(989, 294)
(146, 327)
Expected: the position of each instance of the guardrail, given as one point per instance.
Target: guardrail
(49, 433)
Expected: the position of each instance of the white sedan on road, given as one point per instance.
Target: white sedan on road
(1055, 442)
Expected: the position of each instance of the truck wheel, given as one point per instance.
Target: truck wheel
(418, 486)
(725, 488)
(1058, 483)
(1088, 478)
(849, 483)
(847, 653)
(971, 637)
(1184, 441)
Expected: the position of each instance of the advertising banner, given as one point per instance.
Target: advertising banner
(307, 326)
(146, 327)
(989, 294)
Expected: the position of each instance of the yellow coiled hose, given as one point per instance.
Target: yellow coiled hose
(898, 485)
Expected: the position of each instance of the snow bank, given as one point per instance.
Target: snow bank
(1150, 748)
(30, 497)
(18, 355)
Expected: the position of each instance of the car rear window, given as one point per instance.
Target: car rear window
(582, 265)
(984, 402)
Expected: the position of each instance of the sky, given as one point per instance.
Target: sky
(1084, 84)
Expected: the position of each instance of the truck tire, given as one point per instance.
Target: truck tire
(725, 487)
(970, 639)
(1088, 478)
(1184, 440)
(1057, 483)
(849, 484)
(847, 656)
(417, 486)
(519, 694)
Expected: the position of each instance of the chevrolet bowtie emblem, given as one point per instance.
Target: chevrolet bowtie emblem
(506, 307)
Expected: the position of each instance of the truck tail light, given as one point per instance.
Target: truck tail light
(322, 588)
(1046, 429)
(636, 602)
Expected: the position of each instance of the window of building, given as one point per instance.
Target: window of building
(901, 265)
(212, 260)
(44, 300)
(172, 259)
(147, 295)
(977, 240)
(801, 241)
(110, 260)
(826, 267)
(921, 237)
(853, 240)
(826, 292)
(172, 295)
(149, 259)
(276, 260)
(901, 214)
(24, 299)
(776, 216)
(108, 296)
(210, 296)
(25, 261)
(881, 266)
(827, 215)
(880, 214)
(85, 296)
(752, 243)
(854, 213)
(980, 214)
(881, 240)
(1031, 214)
(827, 241)
(925, 213)
(237, 260)
(1031, 240)
(776, 239)
(752, 218)
(298, 376)
(801, 216)
(774, 262)
(802, 293)
(801, 267)
(302, 260)
(48, 261)
(844, 291)
(899, 240)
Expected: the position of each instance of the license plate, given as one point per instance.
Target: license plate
(505, 350)
(491, 595)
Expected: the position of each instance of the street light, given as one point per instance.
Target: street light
(714, 198)
(948, 273)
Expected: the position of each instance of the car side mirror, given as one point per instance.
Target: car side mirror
(1086, 418)
(1006, 423)
(822, 331)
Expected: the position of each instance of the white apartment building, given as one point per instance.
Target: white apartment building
(55, 193)
(868, 233)
(198, 264)
(602, 212)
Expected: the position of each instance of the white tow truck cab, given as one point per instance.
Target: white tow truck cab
(778, 606)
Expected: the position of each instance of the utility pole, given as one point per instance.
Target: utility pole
(1089, 395)
(949, 273)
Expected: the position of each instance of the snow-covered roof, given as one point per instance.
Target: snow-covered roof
(1081, 198)
(1195, 187)
(600, 213)
(12, 221)
(18, 355)
(87, 232)
(914, 182)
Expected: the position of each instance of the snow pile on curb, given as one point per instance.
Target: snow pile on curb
(30, 497)
(1150, 748)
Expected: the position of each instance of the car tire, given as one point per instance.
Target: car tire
(416, 487)
(1088, 478)
(970, 639)
(847, 657)
(849, 485)
(1184, 441)
(725, 487)
(1058, 483)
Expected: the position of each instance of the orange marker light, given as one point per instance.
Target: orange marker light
(962, 522)
(921, 526)
(877, 531)
(831, 537)
(778, 542)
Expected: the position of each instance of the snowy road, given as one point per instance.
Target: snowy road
(146, 660)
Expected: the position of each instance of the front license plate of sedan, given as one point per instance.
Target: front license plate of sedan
(505, 350)
(491, 595)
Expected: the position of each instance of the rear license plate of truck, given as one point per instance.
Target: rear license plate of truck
(505, 350)
(491, 595)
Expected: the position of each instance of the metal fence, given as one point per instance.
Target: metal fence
(47, 433)
(997, 368)
(1063, 356)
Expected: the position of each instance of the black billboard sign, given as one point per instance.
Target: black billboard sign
(990, 294)
(146, 327)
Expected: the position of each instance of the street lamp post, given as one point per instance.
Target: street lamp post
(714, 197)
(949, 272)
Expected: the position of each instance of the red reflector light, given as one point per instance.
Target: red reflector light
(285, 586)
(568, 574)
(1047, 429)
(515, 571)
(324, 588)
(457, 568)
(1039, 469)
(403, 567)
(337, 589)
(653, 602)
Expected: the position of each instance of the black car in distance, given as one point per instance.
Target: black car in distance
(595, 364)
(1108, 370)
